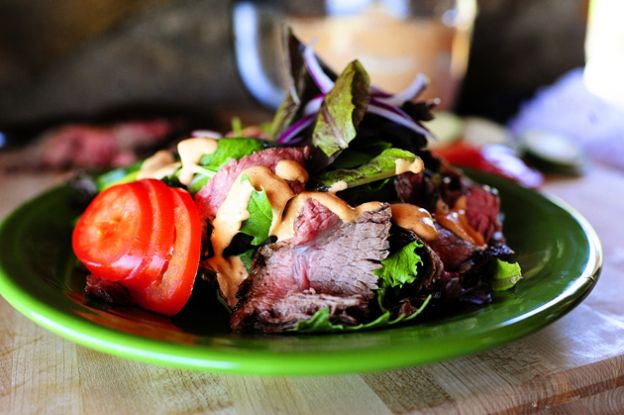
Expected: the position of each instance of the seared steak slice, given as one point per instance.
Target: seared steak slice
(482, 207)
(451, 249)
(285, 312)
(212, 195)
(426, 189)
(328, 263)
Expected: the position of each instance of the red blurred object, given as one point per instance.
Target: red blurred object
(90, 145)
(83, 145)
(494, 158)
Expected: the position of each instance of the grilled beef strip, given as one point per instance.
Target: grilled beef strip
(328, 263)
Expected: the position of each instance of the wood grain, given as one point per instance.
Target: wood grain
(575, 365)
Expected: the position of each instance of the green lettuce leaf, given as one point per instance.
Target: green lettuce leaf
(301, 87)
(118, 176)
(356, 156)
(228, 149)
(284, 115)
(380, 167)
(381, 190)
(506, 276)
(247, 258)
(199, 180)
(260, 217)
(401, 267)
(320, 323)
(236, 127)
(342, 110)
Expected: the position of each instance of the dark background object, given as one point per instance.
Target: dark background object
(69, 58)
(519, 46)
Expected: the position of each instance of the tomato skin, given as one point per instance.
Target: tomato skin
(112, 235)
(495, 159)
(168, 294)
(465, 155)
(162, 237)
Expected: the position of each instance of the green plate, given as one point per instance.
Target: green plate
(558, 250)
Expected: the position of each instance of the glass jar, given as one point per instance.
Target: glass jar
(394, 39)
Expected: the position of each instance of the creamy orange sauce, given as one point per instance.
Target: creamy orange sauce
(455, 220)
(338, 186)
(159, 165)
(230, 217)
(291, 170)
(231, 272)
(342, 209)
(405, 166)
(191, 150)
(415, 219)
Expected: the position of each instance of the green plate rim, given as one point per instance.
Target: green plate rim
(260, 362)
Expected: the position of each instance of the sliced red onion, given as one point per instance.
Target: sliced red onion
(320, 78)
(384, 105)
(287, 137)
(378, 93)
(205, 134)
(314, 105)
(394, 117)
(409, 93)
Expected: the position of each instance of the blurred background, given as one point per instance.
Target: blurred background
(169, 66)
(71, 57)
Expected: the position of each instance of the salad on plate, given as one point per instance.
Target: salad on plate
(335, 217)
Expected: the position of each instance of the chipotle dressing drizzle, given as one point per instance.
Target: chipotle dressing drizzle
(230, 217)
(346, 213)
(339, 186)
(157, 166)
(291, 170)
(191, 150)
(403, 166)
(415, 219)
(456, 221)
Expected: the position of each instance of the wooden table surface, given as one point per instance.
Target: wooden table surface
(575, 365)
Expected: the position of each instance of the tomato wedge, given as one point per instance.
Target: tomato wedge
(162, 237)
(112, 235)
(169, 294)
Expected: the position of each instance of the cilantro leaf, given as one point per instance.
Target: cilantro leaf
(506, 276)
(260, 217)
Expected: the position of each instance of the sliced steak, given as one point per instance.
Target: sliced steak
(274, 315)
(452, 250)
(210, 197)
(427, 188)
(329, 266)
(482, 208)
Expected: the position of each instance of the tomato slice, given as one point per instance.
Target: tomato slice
(169, 294)
(112, 235)
(464, 155)
(162, 236)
